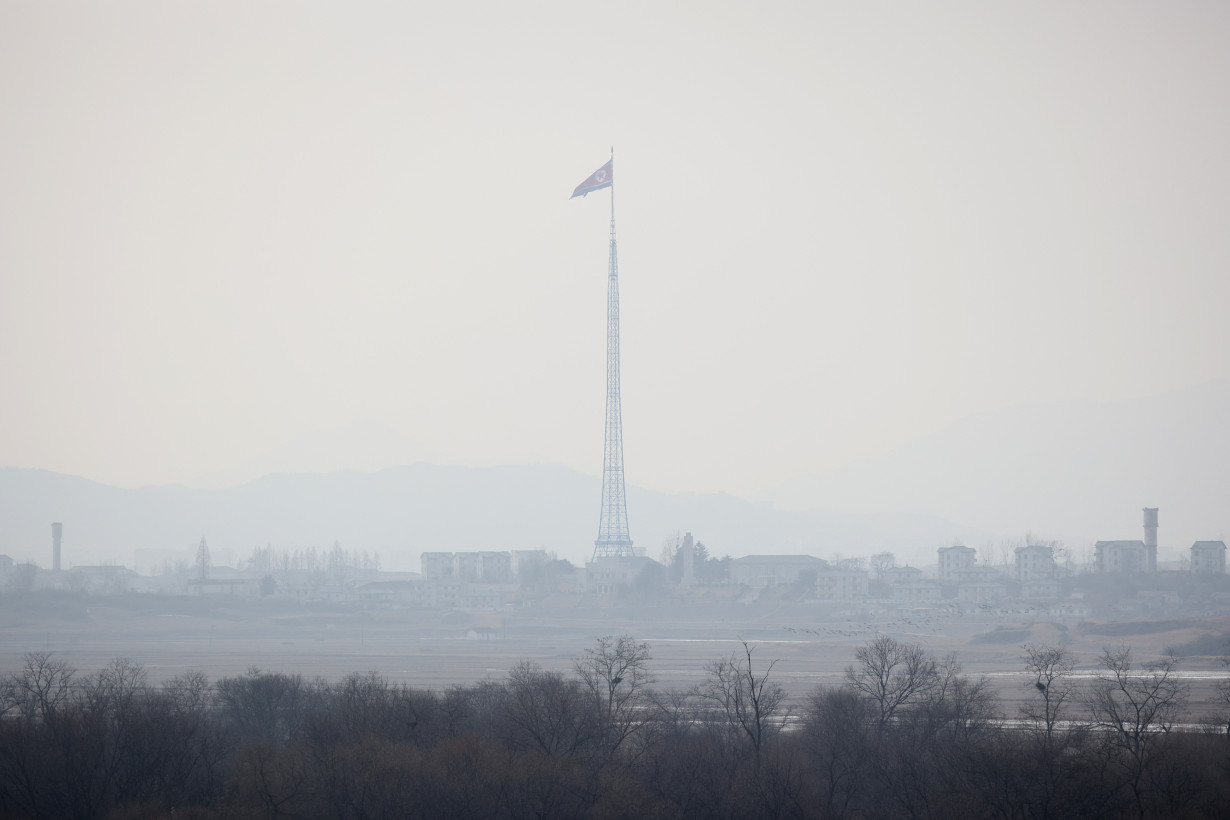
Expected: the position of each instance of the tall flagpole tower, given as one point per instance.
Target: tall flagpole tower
(613, 539)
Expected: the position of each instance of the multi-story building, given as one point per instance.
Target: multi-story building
(437, 565)
(1034, 562)
(955, 560)
(986, 589)
(485, 566)
(841, 584)
(1209, 556)
(1040, 589)
(605, 575)
(920, 590)
(770, 570)
(897, 576)
(1130, 556)
(1121, 556)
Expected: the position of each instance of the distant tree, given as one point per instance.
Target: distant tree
(748, 700)
(804, 584)
(1135, 709)
(263, 707)
(882, 561)
(616, 674)
(1223, 692)
(202, 561)
(1050, 681)
(838, 561)
(41, 688)
(717, 570)
(835, 732)
(263, 559)
(545, 577)
(649, 583)
(547, 712)
(267, 585)
(892, 676)
(670, 548)
(705, 567)
(21, 579)
(340, 565)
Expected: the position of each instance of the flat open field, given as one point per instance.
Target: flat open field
(809, 644)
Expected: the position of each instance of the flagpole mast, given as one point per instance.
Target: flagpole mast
(612, 187)
(613, 539)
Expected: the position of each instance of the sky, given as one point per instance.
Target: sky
(228, 227)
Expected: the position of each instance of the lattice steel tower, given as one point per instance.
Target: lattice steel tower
(613, 539)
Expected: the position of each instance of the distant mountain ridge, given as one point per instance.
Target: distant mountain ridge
(403, 511)
(1076, 470)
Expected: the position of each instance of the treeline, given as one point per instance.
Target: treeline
(906, 735)
(334, 565)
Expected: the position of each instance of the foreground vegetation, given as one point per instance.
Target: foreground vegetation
(907, 735)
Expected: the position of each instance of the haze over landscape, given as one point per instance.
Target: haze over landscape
(1074, 472)
(910, 387)
(849, 235)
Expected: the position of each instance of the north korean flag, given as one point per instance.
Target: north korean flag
(596, 181)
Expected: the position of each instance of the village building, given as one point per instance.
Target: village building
(897, 576)
(920, 590)
(1209, 556)
(758, 571)
(842, 584)
(1121, 556)
(1034, 562)
(955, 560)
(606, 575)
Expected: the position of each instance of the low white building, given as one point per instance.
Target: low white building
(605, 576)
(897, 576)
(1040, 589)
(842, 584)
(758, 571)
(918, 591)
(988, 590)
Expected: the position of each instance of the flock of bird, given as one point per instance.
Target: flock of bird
(918, 624)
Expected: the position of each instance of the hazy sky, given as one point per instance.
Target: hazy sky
(224, 226)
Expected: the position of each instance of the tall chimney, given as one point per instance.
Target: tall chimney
(57, 530)
(1151, 537)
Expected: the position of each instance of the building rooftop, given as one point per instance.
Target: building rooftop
(778, 559)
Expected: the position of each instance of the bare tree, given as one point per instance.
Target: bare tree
(1050, 673)
(1134, 705)
(1135, 708)
(748, 700)
(263, 706)
(189, 691)
(670, 547)
(116, 685)
(616, 674)
(835, 733)
(41, 688)
(546, 711)
(838, 561)
(882, 561)
(1223, 692)
(891, 675)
